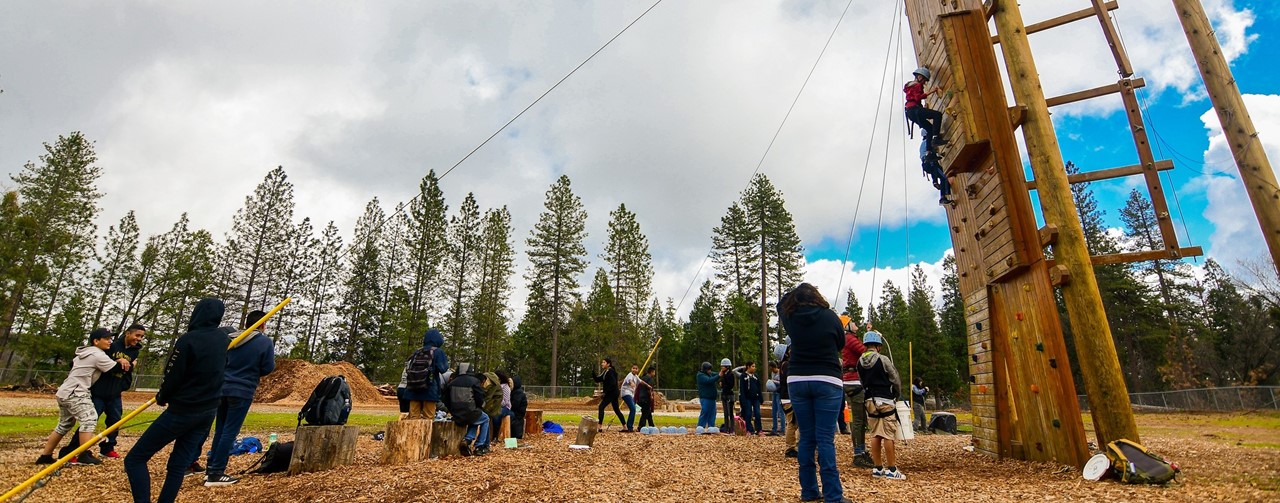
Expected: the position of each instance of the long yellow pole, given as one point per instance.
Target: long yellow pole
(128, 417)
(651, 352)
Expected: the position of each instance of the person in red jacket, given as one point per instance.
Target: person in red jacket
(929, 120)
(853, 392)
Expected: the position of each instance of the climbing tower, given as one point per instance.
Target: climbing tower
(1024, 399)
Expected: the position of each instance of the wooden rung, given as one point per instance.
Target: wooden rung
(1094, 93)
(1060, 20)
(1124, 258)
(1105, 174)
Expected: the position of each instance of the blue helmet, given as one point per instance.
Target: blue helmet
(873, 337)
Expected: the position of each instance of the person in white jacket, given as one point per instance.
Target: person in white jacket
(74, 402)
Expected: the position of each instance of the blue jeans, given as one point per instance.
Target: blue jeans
(751, 415)
(814, 404)
(187, 432)
(478, 431)
(114, 411)
(230, 417)
(631, 406)
(707, 416)
(779, 416)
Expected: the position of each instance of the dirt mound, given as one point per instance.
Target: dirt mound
(293, 381)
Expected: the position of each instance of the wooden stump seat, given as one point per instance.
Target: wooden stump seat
(318, 448)
(407, 441)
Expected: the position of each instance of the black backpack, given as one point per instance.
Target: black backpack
(420, 372)
(330, 403)
(1134, 464)
(276, 459)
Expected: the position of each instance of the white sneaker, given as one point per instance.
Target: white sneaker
(877, 472)
(893, 475)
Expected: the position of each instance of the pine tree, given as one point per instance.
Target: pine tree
(57, 203)
(630, 266)
(258, 242)
(952, 324)
(320, 287)
(557, 256)
(120, 256)
(362, 292)
(853, 309)
(702, 336)
(461, 273)
(736, 253)
(427, 247)
(496, 263)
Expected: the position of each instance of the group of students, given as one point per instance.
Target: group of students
(749, 396)
(478, 401)
(206, 385)
(635, 391)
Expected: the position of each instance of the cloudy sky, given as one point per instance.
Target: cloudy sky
(191, 103)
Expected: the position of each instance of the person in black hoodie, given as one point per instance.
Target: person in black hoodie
(608, 379)
(519, 406)
(191, 389)
(751, 397)
(464, 396)
(815, 387)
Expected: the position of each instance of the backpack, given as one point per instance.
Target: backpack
(329, 404)
(246, 445)
(420, 371)
(1136, 465)
(276, 460)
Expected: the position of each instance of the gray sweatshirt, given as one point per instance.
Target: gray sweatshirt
(89, 364)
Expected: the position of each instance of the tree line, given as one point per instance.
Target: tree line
(368, 296)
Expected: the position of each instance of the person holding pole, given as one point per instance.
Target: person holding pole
(191, 389)
(645, 395)
(250, 359)
(75, 405)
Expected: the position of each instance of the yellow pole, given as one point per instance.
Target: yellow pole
(128, 417)
(911, 377)
(650, 357)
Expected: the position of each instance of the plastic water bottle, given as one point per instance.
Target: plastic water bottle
(271, 440)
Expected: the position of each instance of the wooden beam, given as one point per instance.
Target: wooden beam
(1109, 173)
(1142, 256)
(1094, 93)
(1060, 20)
(1113, 40)
(1017, 114)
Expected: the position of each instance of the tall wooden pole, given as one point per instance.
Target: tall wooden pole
(1095, 351)
(1255, 170)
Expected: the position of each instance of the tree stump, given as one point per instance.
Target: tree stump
(587, 430)
(532, 422)
(319, 448)
(504, 429)
(446, 437)
(407, 441)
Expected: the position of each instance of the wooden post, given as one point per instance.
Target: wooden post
(1096, 353)
(504, 430)
(407, 441)
(1255, 169)
(532, 422)
(446, 438)
(587, 430)
(319, 448)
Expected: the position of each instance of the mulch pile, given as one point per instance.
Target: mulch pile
(294, 380)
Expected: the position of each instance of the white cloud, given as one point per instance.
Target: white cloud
(1236, 235)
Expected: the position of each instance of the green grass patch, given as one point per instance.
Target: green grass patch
(571, 419)
(255, 422)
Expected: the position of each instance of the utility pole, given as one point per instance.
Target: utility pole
(1095, 351)
(1255, 170)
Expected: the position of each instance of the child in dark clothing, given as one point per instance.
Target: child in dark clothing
(645, 394)
(608, 379)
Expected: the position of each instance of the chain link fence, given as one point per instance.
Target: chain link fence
(1227, 399)
(55, 378)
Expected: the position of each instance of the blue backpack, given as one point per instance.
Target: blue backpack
(246, 445)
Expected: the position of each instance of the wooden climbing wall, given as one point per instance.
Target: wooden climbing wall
(1024, 400)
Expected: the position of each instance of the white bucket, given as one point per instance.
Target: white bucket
(905, 432)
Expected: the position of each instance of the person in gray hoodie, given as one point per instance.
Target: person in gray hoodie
(74, 403)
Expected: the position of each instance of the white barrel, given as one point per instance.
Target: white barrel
(905, 432)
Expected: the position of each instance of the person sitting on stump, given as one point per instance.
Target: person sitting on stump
(464, 396)
(929, 120)
(75, 405)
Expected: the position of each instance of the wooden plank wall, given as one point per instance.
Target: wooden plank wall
(1023, 397)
